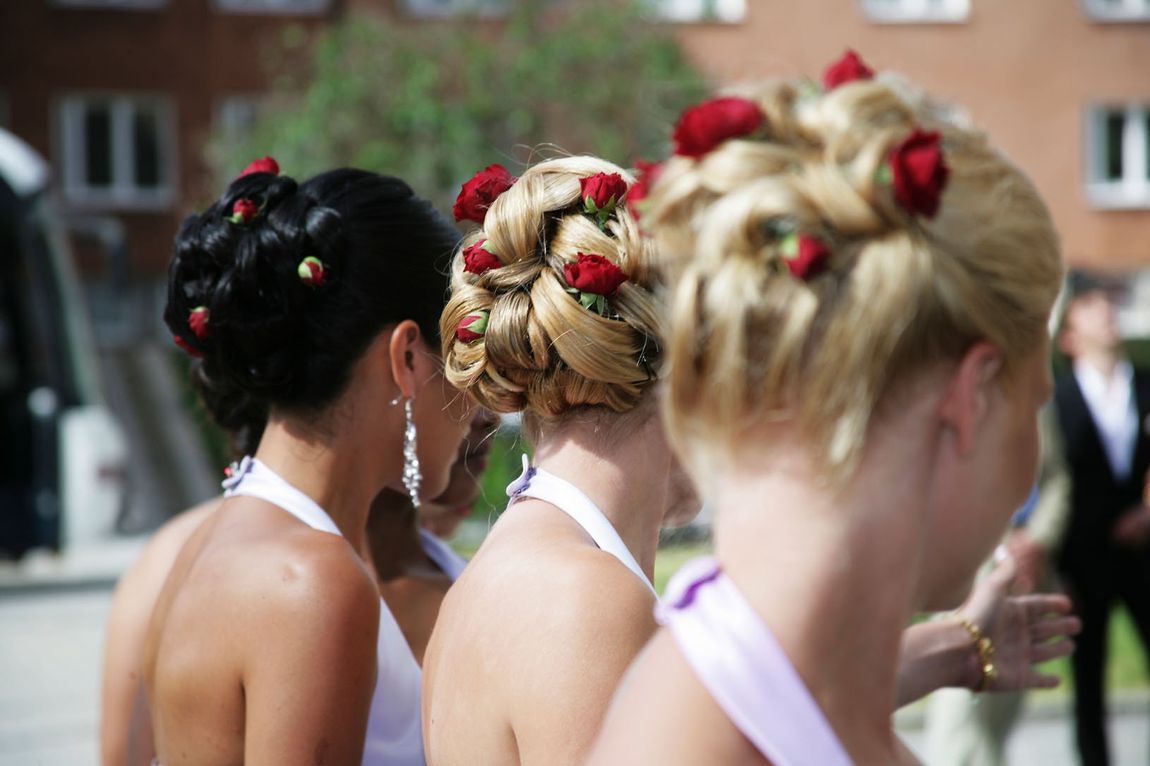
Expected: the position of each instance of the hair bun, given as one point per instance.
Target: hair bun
(549, 347)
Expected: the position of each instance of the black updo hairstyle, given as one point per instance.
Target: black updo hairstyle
(272, 337)
(240, 417)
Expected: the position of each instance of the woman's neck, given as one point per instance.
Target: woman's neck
(339, 473)
(626, 477)
(833, 574)
(393, 539)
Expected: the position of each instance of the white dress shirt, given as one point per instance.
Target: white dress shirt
(1115, 413)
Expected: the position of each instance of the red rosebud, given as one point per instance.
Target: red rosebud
(311, 271)
(478, 259)
(472, 327)
(847, 69)
(262, 165)
(198, 322)
(478, 193)
(604, 190)
(806, 256)
(648, 175)
(703, 127)
(188, 348)
(919, 172)
(594, 274)
(244, 210)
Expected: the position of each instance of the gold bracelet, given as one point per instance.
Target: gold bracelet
(985, 648)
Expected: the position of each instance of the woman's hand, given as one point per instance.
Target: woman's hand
(1026, 630)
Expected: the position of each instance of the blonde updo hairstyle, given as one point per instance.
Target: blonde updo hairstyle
(749, 344)
(543, 353)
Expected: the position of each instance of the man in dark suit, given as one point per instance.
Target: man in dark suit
(1103, 408)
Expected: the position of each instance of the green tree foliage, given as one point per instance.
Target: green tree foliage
(434, 101)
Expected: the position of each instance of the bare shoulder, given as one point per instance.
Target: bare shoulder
(140, 585)
(314, 577)
(563, 587)
(165, 544)
(659, 694)
(258, 570)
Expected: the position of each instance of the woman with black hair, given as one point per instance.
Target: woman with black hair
(320, 301)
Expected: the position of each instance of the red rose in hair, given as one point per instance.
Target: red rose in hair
(478, 193)
(244, 210)
(703, 127)
(602, 191)
(594, 274)
(847, 69)
(198, 321)
(263, 165)
(472, 327)
(311, 271)
(918, 172)
(648, 175)
(805, 256)
(478, 259)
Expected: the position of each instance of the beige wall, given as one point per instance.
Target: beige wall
(1025, 70)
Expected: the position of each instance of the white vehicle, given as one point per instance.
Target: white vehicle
(63, 457)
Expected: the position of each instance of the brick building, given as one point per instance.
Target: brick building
(120, 95)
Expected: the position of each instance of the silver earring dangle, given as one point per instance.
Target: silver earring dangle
(412, 477)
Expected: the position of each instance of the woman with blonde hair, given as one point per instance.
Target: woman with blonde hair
(552, 314)
(859, 296)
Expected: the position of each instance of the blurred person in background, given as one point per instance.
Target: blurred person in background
(1103, 406)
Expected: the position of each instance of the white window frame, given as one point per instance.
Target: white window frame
(916, 11)
(700, 11)
(123, 193)
(234, 115)
(444, 9)
(1132, 191)
(120, 5)
(274, 7)
(1122, 11)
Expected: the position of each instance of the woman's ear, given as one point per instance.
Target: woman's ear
(965, 405)
(401, 351)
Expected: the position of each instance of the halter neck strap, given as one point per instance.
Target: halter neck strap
(543, 485)
(252, 477)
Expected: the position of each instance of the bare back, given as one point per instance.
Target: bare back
(530, 644)
(262, 646)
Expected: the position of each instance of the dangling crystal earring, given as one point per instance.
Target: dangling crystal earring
(412, 477)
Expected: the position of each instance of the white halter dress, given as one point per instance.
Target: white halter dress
(444, 556)
(745, 669)
(542, 485)
(394, 730)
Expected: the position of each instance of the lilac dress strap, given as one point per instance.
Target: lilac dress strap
(743, 666)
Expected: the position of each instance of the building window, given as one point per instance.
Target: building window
(695, 11)
(234, 119)
(916, 11)
(117, 151)
(291, 7)
(115, 4)
(1118, 156)
(446, 8)
(1118, 10)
